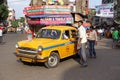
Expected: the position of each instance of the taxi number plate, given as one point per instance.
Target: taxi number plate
(27, 59)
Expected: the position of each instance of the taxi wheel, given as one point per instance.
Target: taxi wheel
(53, 60)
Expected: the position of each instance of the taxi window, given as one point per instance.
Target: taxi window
(49, 33)
(66, 34)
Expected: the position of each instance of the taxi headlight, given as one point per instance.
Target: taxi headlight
(40, 48)
(16, 45)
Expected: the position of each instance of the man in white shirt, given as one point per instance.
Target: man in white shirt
(82, 43)
(1, 35)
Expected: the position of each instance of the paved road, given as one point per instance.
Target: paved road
(105, 67)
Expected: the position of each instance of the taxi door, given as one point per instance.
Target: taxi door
(65, 48)
(73, 39)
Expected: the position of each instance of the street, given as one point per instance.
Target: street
(105, 67)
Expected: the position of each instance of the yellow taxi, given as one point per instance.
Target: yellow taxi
(51, 44)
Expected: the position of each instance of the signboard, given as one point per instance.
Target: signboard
(50, 15)
(52, 21)
(105, 10)
(78, 17)
(47, 9)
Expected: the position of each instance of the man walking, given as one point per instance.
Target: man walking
(115, 36)
(82, 40)
(1, 35)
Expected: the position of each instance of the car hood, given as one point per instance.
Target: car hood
(35, 43)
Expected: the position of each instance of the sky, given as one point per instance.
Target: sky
(18, 5)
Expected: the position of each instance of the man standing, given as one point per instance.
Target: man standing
(82, 40)
(92, 38)
(115, 36)
(1, 35)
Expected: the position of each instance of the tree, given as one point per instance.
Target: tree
(15, 23)
(3, 12)
(1, 1)
(22, 19)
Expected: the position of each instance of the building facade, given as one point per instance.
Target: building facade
(11, 16)
(116, 8)
(36, 2)
(117, 11)
(81, 5)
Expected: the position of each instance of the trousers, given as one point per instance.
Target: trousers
(82, 52)
(92, 48)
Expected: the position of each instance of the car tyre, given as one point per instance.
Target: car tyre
(53, 60)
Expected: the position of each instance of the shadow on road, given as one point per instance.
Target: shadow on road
(31, 64)
(105, 67)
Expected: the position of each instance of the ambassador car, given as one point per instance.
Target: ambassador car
(51, 44)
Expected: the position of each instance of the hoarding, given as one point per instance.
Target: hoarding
(52, 21)
(105, 10)
(47, 9)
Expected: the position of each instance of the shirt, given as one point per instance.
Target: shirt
(1, 32)
(82, 34)
(92, 35)
(115, 35)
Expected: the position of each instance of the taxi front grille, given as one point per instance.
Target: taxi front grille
(24, 48)
(27, 50)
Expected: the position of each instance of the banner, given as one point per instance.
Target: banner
(105, 10)
(51, 15)
(47, 9)
(51, 21)
(41, 13)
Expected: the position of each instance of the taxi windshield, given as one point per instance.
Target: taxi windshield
(49, 33)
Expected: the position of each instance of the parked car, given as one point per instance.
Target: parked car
(51, 44)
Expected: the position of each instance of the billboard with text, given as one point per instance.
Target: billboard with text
(105, 10)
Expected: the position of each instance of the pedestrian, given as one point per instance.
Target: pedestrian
(1, 35)
(92, 39)
(115, 37)
(29, 34)
(82, 40)
(26, 27)
(22, 29)
(100, 32)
